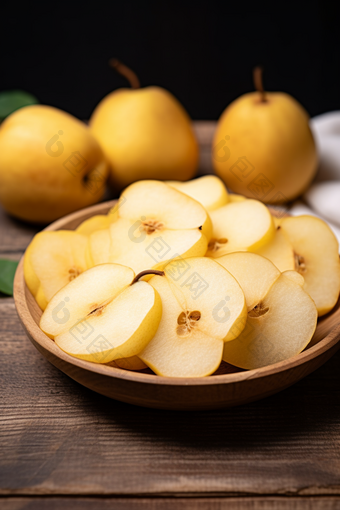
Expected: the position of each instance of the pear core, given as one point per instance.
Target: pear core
(187, 321)
(215, 244)
(74, 272)
(98, 309)
(150, 226)
(258, 310)
(300, 264)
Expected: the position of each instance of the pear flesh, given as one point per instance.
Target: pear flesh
(155, 224)
(200, 309)
(208, 190)
(280, 326)
(102, 315)
(244, 225)
(316, 258)
(279, 251)
(55, 258)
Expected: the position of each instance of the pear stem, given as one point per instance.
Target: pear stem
(258, 82)
(144, 273)
(126, 72)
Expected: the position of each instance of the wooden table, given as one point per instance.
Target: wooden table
(63, 446)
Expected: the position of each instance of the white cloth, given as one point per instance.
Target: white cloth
(322, 199)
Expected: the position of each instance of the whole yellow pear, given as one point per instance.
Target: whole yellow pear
(50, 164)
(145, 133)
(263, 147)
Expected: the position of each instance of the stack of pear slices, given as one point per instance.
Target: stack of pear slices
(180, 275)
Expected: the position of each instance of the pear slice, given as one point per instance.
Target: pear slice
(57, 258)
(316, 258)
(163, 207)
(103, 315)
(100, 247)
(143, 250)
(279, 251)
(113, 213)
(233, 197)
(280, 326)
(31, 279)
(254, 273)
(201, 304)
(245, 225)
(278, 220)
(98, 222)
(295, 277)
(41, 299)
(156, 224)
(208, 190)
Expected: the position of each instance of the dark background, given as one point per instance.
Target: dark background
(203, 52)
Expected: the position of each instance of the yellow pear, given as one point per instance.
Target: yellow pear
(145, 134)
(103, 315)
(316, 253)
(200, 309)
(208, 190)
(263, 147)
(50, 164)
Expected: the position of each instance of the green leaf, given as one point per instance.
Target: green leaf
(11, 100)
(7, 272)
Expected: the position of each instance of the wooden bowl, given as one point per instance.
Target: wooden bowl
(229, 386)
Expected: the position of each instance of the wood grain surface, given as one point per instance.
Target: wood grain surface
(63, 446)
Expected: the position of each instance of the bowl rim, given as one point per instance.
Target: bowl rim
(30, 326)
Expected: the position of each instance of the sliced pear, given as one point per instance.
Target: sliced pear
(163, 207)
(133, 363)
(154, 249)
(200, 307)
(295, 277)
(113, 213)
(277, 221)
(41, 299)
(254, 273)
(280, 326)
(103, 315)
(98, 222)
(236, 198)
(208, 190)
(85, 294)
(57, 258)
(100, 247)
(316, 258)
(31, 279)
(88, 256)
(279, 251)
(238, 226)
(156, 224)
